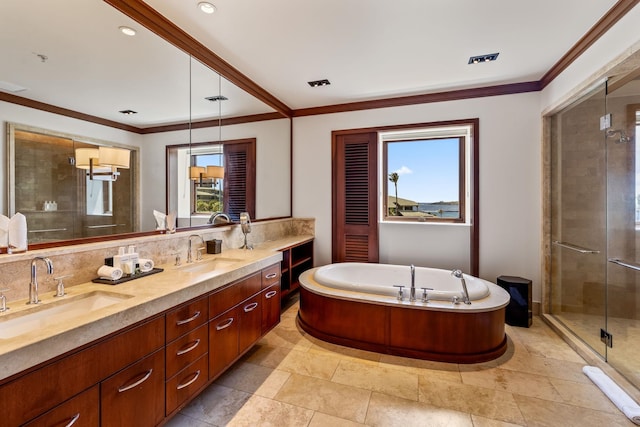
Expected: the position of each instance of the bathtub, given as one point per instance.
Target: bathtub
(356, 305)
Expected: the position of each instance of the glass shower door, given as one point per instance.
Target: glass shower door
(623, 231)
(579, 218)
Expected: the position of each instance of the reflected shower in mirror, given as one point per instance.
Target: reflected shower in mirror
(70, 187)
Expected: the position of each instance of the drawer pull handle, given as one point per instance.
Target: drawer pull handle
(223, 325)
(190, 319)
(270, 294)
(136, 383)
(73, 420)
(188, 349)
(271, 276)
(191, 381)
(250, 307)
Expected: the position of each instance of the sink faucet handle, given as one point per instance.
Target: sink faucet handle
(3, 300)
(400, 292)
(425, 296)
(60, 287)
(178, 259)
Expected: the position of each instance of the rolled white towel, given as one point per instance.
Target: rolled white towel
(145, 264)
(614, 392)
(109, 273)
(18, 233)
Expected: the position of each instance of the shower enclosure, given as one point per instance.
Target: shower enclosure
(595, 223)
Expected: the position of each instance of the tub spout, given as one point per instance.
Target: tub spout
(412, 296)
(465, 293)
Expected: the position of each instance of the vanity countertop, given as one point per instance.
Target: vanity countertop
(144, 298)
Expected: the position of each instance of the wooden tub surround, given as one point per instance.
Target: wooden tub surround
(443, 332)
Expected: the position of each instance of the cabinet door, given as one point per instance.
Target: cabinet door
(186, 349)
(250, 322)
(270, 307)
(80, 411)
(135, 395)
(186, 318)
(223, 341)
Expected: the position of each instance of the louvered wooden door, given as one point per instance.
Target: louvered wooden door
(239, 179)
(355, 225)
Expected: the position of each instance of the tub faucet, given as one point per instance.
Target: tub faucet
(412, 295)
(199, 254)
(33, 286)
(465, 293)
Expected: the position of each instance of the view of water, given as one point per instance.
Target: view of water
(449, 210)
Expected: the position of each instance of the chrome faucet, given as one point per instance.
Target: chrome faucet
(465, 293)
(199, 254)
(412, 295)
(219, 218)
(33, 286)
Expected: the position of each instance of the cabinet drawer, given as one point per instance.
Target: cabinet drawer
(80, 411)
(250, 313)
(188, 381)
(270, 275)
(37, 392)
(233, 294)
(270, 307)
(135, 395)
(186, 349)
(186, 318)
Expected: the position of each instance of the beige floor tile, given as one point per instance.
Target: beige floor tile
(267, 355)
(319, 365)
(325, 396)
(585, 395)
(390, 411)
(486, 402)
(263, 412)
(513, 382)
(479, 421)
(377, 378)
(435, 370)
(342, 351)
(323, 420)
(552, 368)
(216, 405)
(287, 338)
(183, 421)
(543, 413)
(254, 379)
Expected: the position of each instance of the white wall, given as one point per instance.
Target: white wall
(510, 184)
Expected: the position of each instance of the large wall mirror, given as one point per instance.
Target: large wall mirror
(69, 69)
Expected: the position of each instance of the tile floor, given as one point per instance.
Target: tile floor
(292, 379)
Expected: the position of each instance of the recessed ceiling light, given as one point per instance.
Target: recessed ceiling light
(317, 83)
(483, 58)
(206, 7)
(128, 112)
(127, 31)
(11, 87)
(217, 98)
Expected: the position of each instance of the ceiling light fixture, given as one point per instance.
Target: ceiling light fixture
(483, 58)
(206, 7)
(318, 83)
(127, 31)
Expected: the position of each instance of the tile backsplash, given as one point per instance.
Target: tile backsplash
(83, 261)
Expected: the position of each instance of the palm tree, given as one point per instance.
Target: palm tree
(393, 177)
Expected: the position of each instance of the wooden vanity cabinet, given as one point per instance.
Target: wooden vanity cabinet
(223, 341)
(80, 411)
(296, 259)
(270, 307)
(135, 395)
(250, 322)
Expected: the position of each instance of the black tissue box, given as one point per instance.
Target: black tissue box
(214, 246)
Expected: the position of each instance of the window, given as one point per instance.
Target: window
(208, 195)
(424, 174)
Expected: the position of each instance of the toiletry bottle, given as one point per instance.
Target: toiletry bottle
(118, 259)
(133, 259)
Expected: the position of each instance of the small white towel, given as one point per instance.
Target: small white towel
(145, 264)
(161, 220)
(18, 233)
(4, 233)
(617, 395)
(109, 273)
(171, 222)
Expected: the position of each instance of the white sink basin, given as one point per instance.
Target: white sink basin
(208, 264)
(60, 311)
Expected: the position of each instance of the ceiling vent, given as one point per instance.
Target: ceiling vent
(318, 83)
(217, 98)
(128, 112)
(483, 58)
